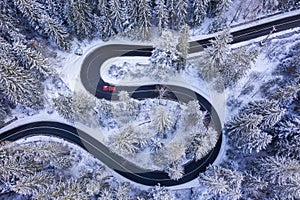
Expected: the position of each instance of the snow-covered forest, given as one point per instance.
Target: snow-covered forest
(262, 83)
(28, 27)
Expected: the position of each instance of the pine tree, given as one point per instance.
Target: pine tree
(235, 66)
(286, 133)
(144, 18)
(286, 95)
(115, 7)
(269, 109)
(10, 27)
(183, 44)
(128, 140)
(79, 17)
(19, 86)
(70, 189)
(123, 191)
(278, 169)
(222, 6)
(41, 21)
(162, 120)
(199, 8)
(57, 32)
(107, 194)
(56, 9)
(256, 140)
(175, 172)
(170, 155)
(202, 143)
(222, 182)
(282, 173)
(93, 187)
(132, 12)
(193, 116)
(245, 133)
(32, 59)
(181, 13)
(172, 13)
(63, 105)
(243, 123)
(104, 26)
(84, 106)
(252, 186)
(33, 184)
(165, 59)
(124, 96)
(161, 193)
(219, 49)
(161, 13)
(32, 10)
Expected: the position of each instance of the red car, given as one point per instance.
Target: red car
(109, 88)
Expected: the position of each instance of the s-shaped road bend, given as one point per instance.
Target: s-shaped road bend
(91, 80)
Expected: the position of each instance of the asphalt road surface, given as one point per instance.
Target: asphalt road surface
(90, 77)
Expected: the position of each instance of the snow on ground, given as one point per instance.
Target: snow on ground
(261, 70)
(188, 79)
(71, 65)
(238, 27)
(86, 158)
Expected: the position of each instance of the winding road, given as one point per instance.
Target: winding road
(91, 80)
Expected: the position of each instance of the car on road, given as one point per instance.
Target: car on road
(109, 88)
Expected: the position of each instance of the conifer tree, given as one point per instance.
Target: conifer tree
(172, 13)
(115, 8)
(175, 172)
(161, 120)
(79, 17)
(144, 18)
(40, 20)
(223, 182)
(32, 59)
(181, 13)
(219, 49)
(268, 109)
(222, 6)
(160, 193)
(19, 86)
(57, 32)
(199, 8)
(183, 44)
(253, 186)
(63, 105)
(104, 25)
(83, 106)
(128, 140)
(170, 155)
(161, 13)
(33, 185)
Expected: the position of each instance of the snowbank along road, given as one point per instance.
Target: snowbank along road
(92, 82)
